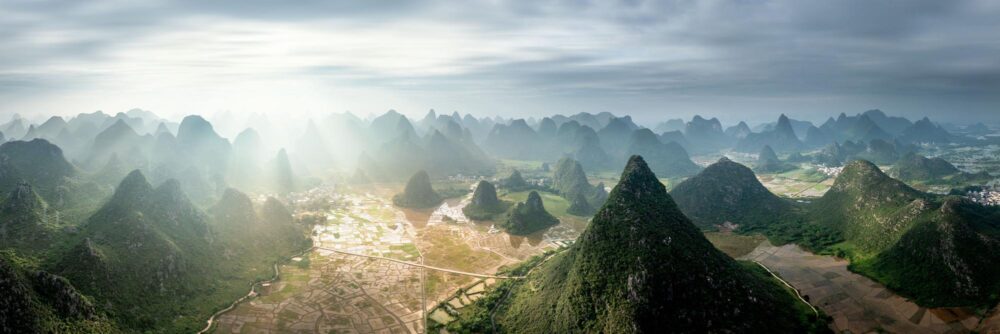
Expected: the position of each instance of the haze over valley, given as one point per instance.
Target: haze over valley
(499, 167)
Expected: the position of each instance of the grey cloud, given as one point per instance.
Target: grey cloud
(896, 52)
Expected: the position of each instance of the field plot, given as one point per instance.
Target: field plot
(450, 240)
(569, 227)
(734, 245)
(334, 293)
(366, 225)
(803, 182)
(450, 308)
(352, 282)
(991, 324)
(856, 303)
(977, 158)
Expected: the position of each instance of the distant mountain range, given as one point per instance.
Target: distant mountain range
(391, 146)
(780, 138)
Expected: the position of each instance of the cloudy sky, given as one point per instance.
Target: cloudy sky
(651, 59)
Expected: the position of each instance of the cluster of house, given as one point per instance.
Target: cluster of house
(988, 196)
(830, 171)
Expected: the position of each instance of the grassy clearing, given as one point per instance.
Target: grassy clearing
(803, 174)
(450, 251)
(525, 166)
(554, 204)
(734, 245)
(811, 319)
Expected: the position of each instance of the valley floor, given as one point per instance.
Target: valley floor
(376, 268)
(856, 303)
(991, 324)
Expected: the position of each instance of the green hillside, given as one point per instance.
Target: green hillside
(153, 260)
(641, 266)
(418, 194)
(947, 257)
(916, 168)
(939, 251)
(870, 208)
(727, 191)
(515, 182)
(485, 204)
(570, 180)
(528, 217)
(34, 301)
(23, 222)
(768, 162)
(580, 206)
(38, 162)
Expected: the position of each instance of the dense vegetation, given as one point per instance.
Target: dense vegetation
(727, 191)
(920, 169)
(528, 217)
(157, 262)
(24, 222)
(917, 167)
(569, 179)
(870, 208)
(418, 194)
(37, 162)
(485, 204)
(935, 250)
(35, 301)
(580, 207)
(768, 162)
(946, 258)
(138, 258)
(515, 182)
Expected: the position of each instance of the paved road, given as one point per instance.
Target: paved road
(421, 265)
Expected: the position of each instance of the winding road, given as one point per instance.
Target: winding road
(277, 274)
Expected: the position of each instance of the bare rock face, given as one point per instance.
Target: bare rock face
(63, 296)
(16, 312)
(35, 301)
